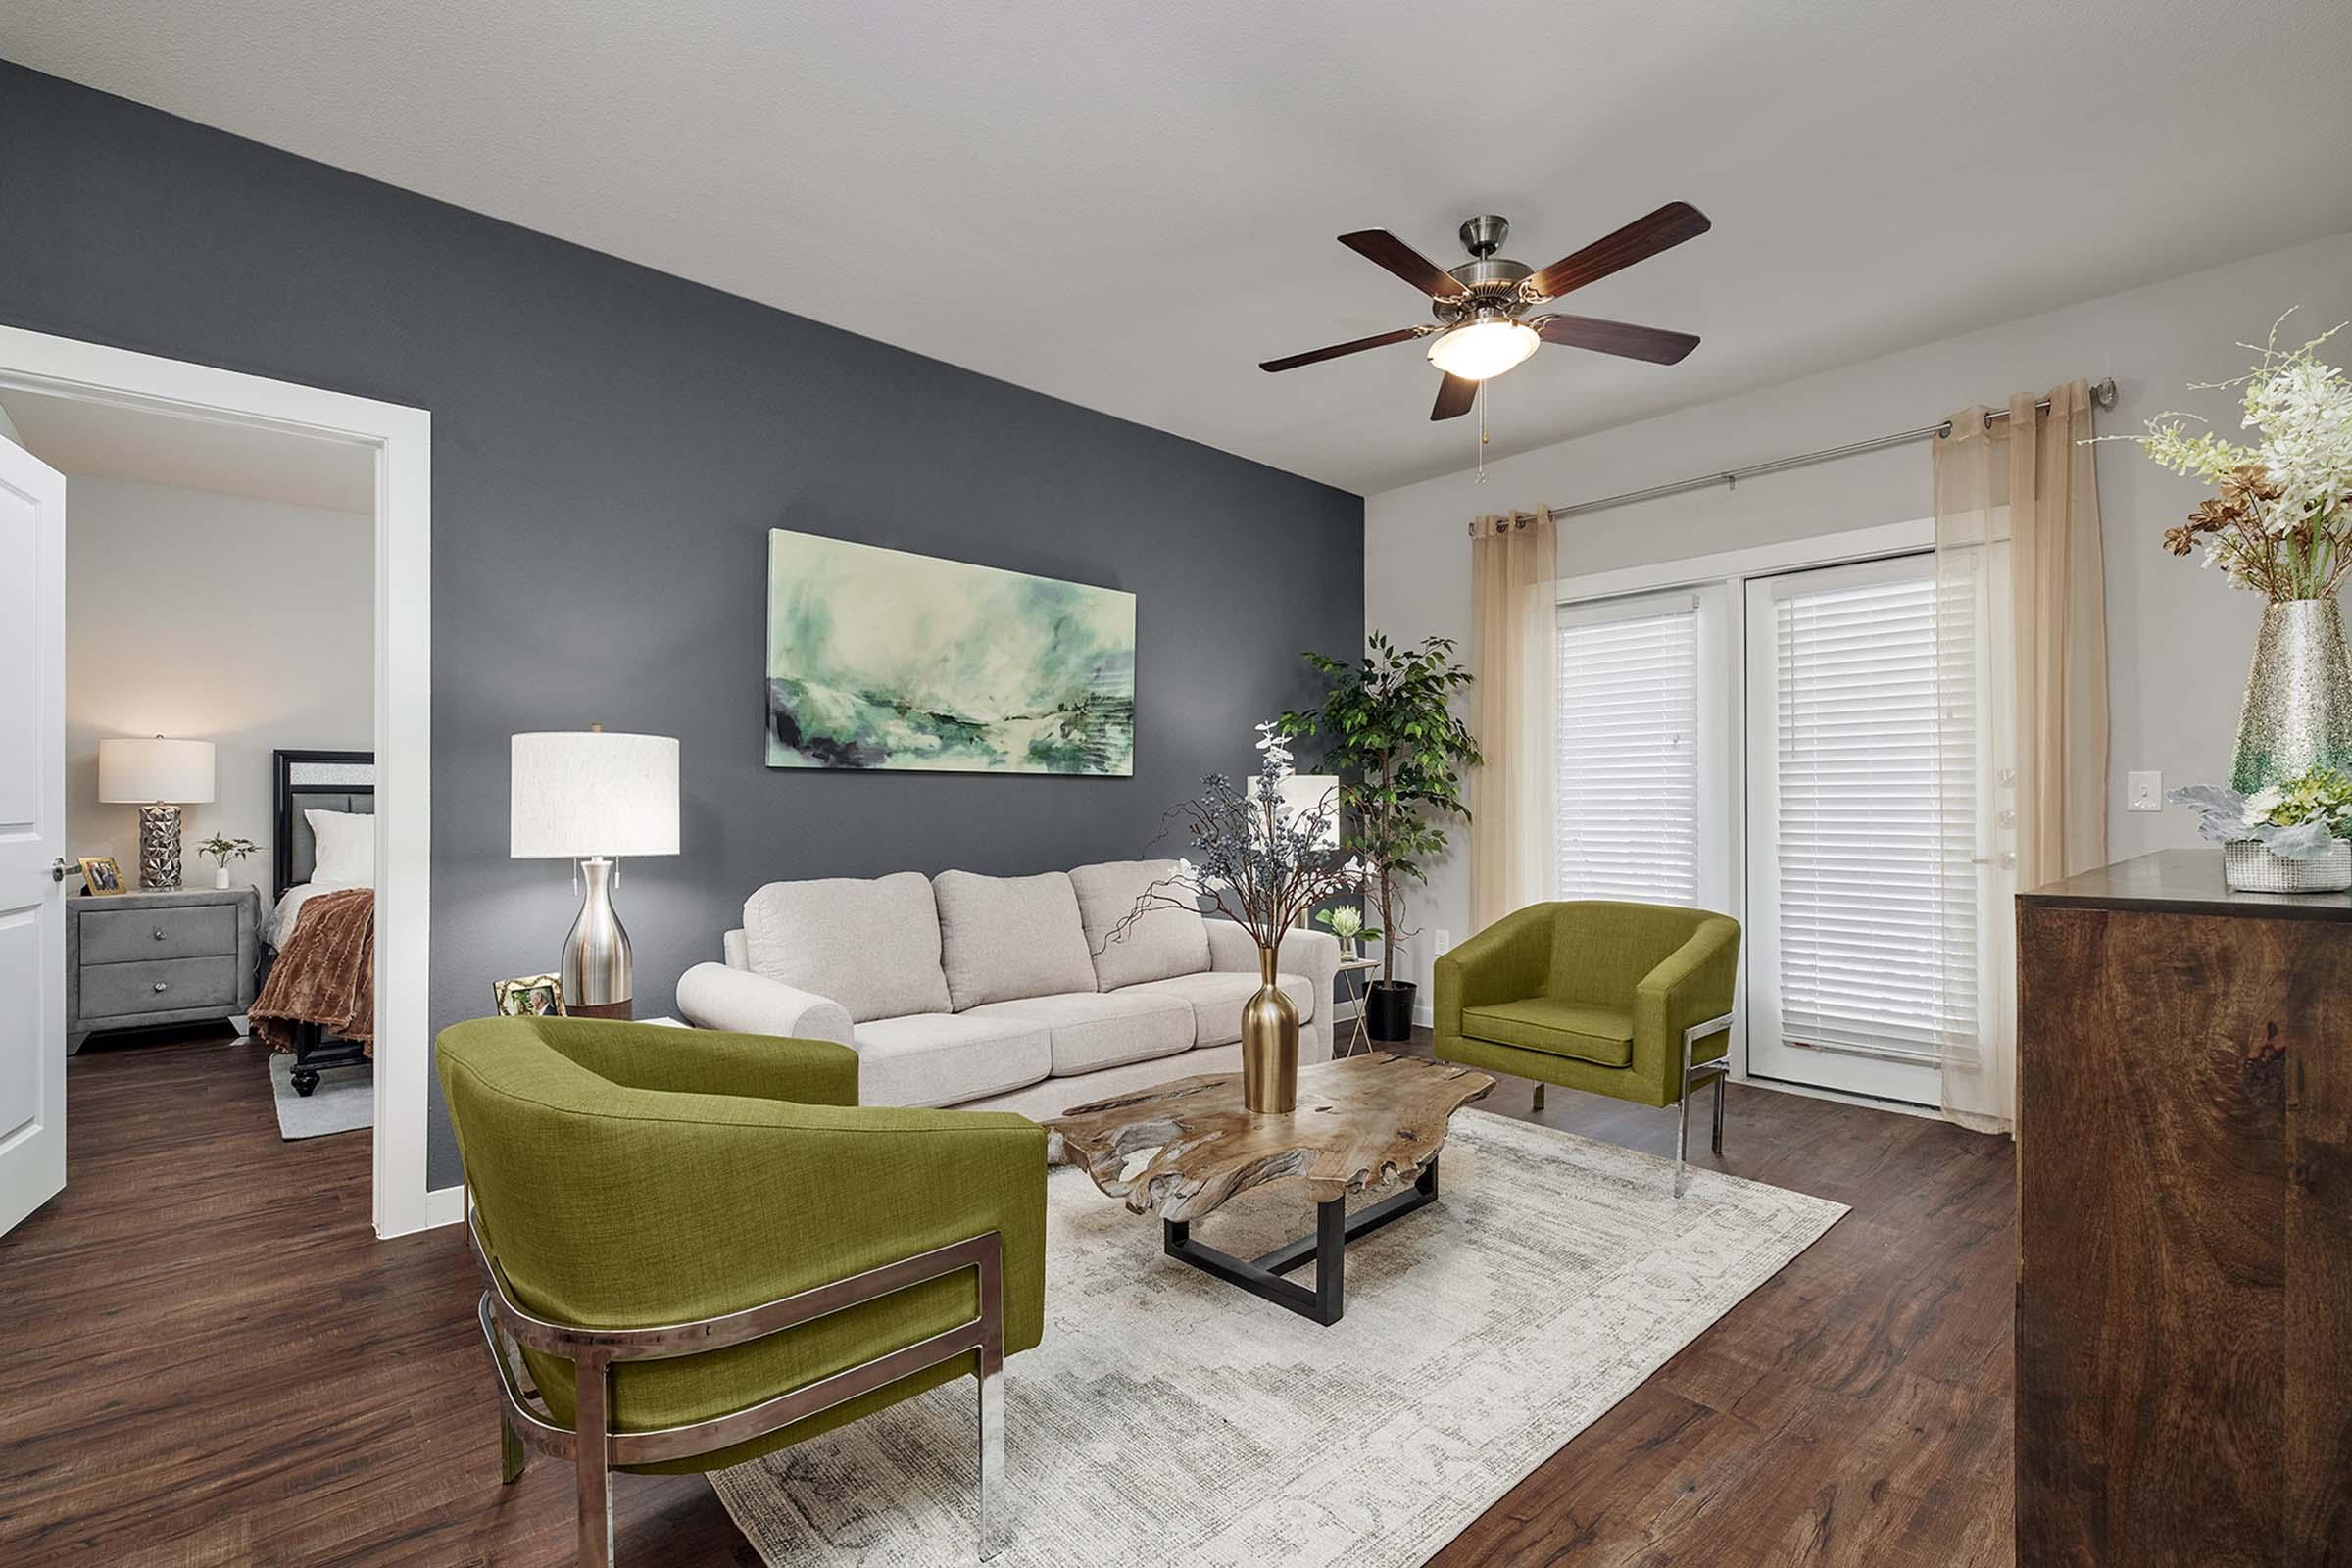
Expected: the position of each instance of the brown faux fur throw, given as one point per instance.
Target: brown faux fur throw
(325, 974)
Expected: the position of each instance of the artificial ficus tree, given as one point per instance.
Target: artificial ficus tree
(1388, 729)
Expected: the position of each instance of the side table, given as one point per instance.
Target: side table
(1354, 970)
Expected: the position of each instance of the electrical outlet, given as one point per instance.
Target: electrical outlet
(2146, 791)
(1440, 940)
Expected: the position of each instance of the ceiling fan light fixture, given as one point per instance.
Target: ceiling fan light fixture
(1476, 351)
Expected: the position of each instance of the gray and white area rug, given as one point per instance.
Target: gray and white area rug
(1169, 1418)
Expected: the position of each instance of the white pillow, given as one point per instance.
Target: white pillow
(342, 848)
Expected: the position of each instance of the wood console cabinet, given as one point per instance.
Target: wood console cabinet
(2185, 1222)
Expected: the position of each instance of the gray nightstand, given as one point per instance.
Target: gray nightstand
(142, 958)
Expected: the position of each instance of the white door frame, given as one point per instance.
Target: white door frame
(402, 440)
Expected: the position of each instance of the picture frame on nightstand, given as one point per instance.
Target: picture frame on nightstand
(101, 877)
(530, 995)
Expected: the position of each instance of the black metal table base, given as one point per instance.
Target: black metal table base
(1326, 1248)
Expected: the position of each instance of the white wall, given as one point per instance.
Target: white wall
(247, 623)
(2179, 639)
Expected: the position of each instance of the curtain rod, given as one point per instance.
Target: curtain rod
(2102, 393)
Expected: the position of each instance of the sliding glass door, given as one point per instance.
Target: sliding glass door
(1856, 960)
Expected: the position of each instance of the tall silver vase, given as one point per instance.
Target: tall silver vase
(2298, 709)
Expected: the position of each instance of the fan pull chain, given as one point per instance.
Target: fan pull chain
(1482, 433)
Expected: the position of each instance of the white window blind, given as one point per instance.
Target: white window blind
(1627, 753)
(1872, 952)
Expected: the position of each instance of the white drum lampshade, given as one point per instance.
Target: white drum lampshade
(1304, 794)
(1307, 792)
(585, 793)
(135, 771)
(592, 797)
(158, 777)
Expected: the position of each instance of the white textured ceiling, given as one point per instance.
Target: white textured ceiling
(101, 441)
(1128, 205)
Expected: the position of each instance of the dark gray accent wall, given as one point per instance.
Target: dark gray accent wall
(610, 447)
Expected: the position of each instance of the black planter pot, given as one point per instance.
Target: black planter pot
(1389, 1009)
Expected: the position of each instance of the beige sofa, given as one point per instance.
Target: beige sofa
(1003, 993)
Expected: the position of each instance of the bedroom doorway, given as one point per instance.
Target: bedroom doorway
(245, 656)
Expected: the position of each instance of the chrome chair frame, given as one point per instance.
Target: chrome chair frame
(595, 1449)
(1720, 1068)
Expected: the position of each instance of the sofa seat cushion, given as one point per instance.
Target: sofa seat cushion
(945, 1058)
(871, 945)
(1158, 945)
(1003, 937)
(1090, 1030)
(1216, 998)
(1602, 1036)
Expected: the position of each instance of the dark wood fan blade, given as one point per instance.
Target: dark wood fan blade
(1652, 343)
(1384, 249)
(1637, 241)
(1315, 356)
(1454, 397)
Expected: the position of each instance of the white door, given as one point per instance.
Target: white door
(33, 833)
(1855, 969)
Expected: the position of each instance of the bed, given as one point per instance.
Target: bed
(312, 781)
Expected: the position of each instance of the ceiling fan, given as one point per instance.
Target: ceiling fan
(1482, 328)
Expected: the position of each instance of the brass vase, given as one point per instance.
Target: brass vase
(2299, 708)
(1270, 1045)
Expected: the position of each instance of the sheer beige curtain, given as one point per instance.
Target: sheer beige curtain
(1514, 701)
(2022, 672)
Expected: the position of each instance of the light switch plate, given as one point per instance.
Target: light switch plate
(2146, 791)
(1442, 940)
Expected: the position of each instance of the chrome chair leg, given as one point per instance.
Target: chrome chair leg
(512, 1455)
(1538, 1097)
(592, 1457)
(995, 1521)
(1682, 1128)
(1720, 1068)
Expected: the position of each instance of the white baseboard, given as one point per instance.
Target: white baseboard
(444, 1206)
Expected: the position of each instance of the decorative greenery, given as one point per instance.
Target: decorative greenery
(1390, 732)
(1346, 922)
(224, 850)
(1263, 863)
(2298, 821)
(2282, 523)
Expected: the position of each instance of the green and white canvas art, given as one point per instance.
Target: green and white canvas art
(880, 658)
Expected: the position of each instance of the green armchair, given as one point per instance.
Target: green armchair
(1628, 1000)
(701, 1248)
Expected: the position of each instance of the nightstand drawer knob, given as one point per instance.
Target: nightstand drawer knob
(161, 986)
(159, 933)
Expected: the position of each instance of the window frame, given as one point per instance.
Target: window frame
(1720, 579)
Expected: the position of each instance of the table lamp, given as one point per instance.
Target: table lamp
(158, 777)
(593, 796)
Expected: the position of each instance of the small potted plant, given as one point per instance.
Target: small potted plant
(1346, 922)
(2294, 837)
(222, 850)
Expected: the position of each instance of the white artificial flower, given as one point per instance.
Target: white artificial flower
(2260, 804)
(1271, 742)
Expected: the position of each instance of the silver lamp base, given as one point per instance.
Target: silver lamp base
(598, 981)
(159, 847)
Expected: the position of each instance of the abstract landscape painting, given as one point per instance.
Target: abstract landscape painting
(879, 659)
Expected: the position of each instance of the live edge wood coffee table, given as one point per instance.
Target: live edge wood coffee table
(1182, 1149)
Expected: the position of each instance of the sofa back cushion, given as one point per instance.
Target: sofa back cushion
(1162, 944)
(1007, 937)
(871, 945)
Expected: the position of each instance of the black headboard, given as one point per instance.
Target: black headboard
(317, 781)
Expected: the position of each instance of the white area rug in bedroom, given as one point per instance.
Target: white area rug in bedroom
(1169, 1418)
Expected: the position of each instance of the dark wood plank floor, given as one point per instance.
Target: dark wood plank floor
(209, 1360)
